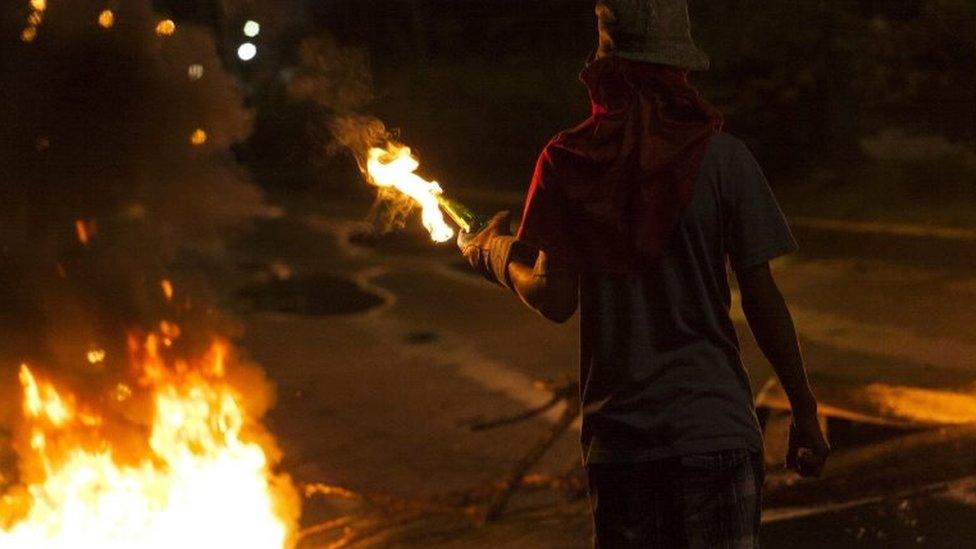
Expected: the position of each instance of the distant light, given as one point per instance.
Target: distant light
(247, 51)
(35, 18)
(39, 5)
(195, 72)
(29, 34)
(106, 19)
(198, 137)
(166, 27)
(252, 29)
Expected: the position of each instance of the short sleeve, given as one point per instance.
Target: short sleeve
(756, 229)
(545, 223)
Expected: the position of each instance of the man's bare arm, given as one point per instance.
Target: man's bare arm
(550, 289)
(772, 325)
(546, 286)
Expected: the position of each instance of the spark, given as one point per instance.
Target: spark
(122, 392)
(95, 356)
(167, 288)
(85, 230)
(166, 27)
(169, 331)
(106, 19)
(198, 137)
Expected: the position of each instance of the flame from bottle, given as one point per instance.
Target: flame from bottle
(395, 167)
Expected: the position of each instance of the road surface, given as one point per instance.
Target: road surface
(382, 348)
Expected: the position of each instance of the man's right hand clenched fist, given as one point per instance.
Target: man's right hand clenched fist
(808, 448)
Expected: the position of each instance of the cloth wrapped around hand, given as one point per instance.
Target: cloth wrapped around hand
(489, 250)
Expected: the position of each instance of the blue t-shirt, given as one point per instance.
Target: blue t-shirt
(661, 373)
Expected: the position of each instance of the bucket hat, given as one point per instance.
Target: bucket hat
(652, 31)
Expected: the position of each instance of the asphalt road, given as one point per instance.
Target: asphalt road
(376, 378)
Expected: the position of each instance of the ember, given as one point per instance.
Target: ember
(166, 27)
(167, 288)
(106, 19)
(85, 229)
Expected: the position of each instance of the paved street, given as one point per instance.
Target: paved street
(376, 378)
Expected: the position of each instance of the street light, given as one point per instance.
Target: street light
(247, 51)
(252, 28)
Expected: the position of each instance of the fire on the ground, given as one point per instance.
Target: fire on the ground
(199, 475)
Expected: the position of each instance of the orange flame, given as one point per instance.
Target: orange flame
(394, 167)
(201, 484)
(42, 400)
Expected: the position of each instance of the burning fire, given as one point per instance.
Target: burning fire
(197, 479)
(394, 167)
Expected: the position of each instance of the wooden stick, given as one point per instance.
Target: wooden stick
(499, 501)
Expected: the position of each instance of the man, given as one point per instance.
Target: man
(632, 217)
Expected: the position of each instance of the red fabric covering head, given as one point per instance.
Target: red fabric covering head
(608, 194)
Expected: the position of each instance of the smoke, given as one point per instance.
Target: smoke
(331, 76)
(97, 126)
(127, 134)
(339, 81)
(359, 133)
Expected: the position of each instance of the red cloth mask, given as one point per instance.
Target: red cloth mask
(627, 174)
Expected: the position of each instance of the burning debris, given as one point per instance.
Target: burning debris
(134, 423)
(90, 477)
